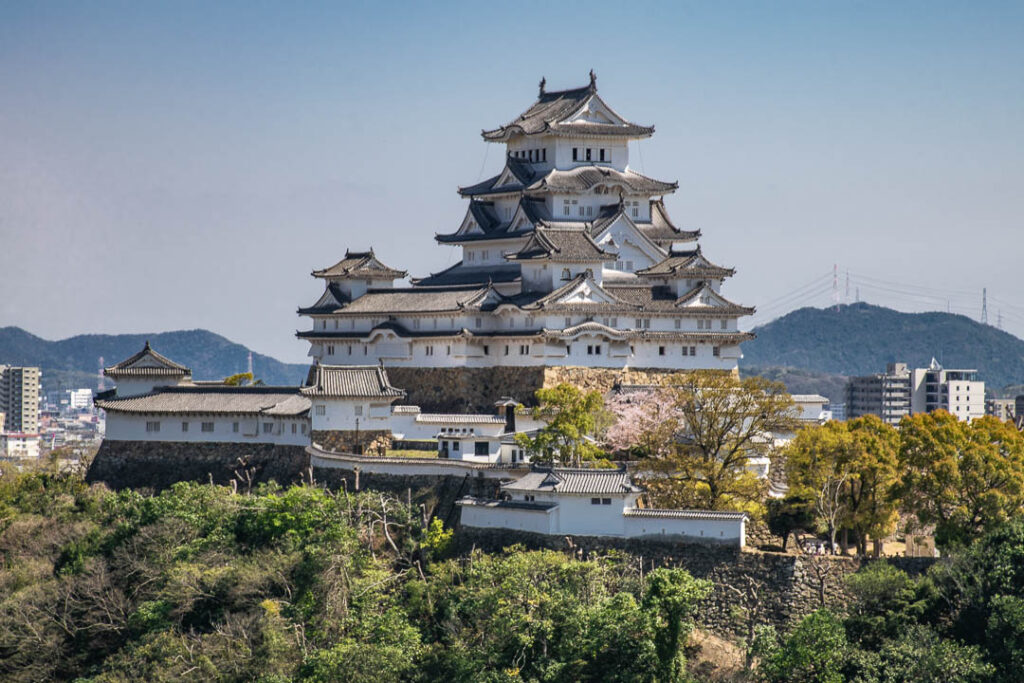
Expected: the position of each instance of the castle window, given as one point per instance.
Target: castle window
(566, 275)
(693, 350)
(506, 349)
(606, 501)
(484, 255)
(615, 322)
(448, 350)
(294, 427)
(428, 350)
(581, 210)
(725, 324)
(330, 349)
(595, 501)
(480, 448)
(635, 212)
(415, 323)
(568, 350)
(686, 350)
(234, 427)
(679, 323)
(321, 410)
(602, 154)
(590, 211)
(207, 427)
(153, 426)
(544, 154)
(303, 427)
(597, 350)
(661, 350)
(575, 153)
(588, 153)
(350, 349)
(477, 322)
(268, 427)
(184, 426)
(487, 350)
(568, 322)
(716, 351)
(335, 323)
(524, 349)
(359, 411)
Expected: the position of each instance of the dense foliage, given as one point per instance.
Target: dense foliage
(963, 621)
(303, 584)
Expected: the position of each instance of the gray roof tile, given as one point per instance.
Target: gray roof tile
(574, 480)
(360, 264)
(349, 381)
(147, 363)
(213, 400)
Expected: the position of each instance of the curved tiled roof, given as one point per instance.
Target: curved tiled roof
(213, 400)
(691, 264)
(576, 180)
(360, 264)
(549, 114)
(147, 363)
(349, 381)
(724, 515)
(460, 274)
(568, 246)
(574, 480)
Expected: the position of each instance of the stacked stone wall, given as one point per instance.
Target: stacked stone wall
(351, 441)
(749, 587)
(464, 390)
(436, 494)
(159, 464)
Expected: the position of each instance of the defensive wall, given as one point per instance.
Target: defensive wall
(159, 464)
(749, 587)
(474, 390)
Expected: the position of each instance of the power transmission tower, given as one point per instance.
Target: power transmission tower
(847, 297)
(835, 285)
(999, 319)
(984, 306)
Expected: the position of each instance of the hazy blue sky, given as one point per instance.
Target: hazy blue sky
(181, 165)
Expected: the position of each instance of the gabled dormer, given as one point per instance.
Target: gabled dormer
(358, 272)
(616, 232)
(141, 372)
(552, 256)
(681, 270)
(703, 298)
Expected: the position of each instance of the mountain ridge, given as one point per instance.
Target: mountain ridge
(73, 362)
(859, 339)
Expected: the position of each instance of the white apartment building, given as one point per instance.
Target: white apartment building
(958, 392)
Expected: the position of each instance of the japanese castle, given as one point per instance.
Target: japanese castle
(569, 258)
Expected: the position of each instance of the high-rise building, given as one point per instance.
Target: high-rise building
(886, 394)
(19, 398)
(959, 392)
(901, 391)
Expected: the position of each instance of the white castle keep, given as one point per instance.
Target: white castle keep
(569, 258)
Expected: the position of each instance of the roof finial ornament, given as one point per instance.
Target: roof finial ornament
(147, 347)
(543, 82)
(593, 80)
(622, 199)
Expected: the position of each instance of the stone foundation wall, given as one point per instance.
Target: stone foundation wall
(437, 494)
(462, 390)
(763, 588)
(159, 464)
(363, 441)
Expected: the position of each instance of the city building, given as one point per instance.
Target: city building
(19, 398)
(79, 399)
(16, 445)
(568, 258)
(901, 391)
(958, 392)
(1002, 408)
(885, 394)
(595, 502)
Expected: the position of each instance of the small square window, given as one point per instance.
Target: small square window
(606, 501)
(595, 501)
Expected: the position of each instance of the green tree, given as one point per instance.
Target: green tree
(671, 598)
(719, 424)
(964, 478)
(851, 470)
(790, 514)
(572, 418)
(813, 652)
(240, 379)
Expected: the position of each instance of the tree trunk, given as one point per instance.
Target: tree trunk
(878, 547)
(845, 542)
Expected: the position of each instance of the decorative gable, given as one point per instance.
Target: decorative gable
(594, 110)
(704, 297)
(584, 291)
(622, 231)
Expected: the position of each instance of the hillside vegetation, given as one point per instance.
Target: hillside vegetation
(859, 339)
(72, 362)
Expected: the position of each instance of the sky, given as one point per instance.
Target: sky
(186, 165)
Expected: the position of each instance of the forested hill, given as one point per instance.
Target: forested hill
(72, 362)
(859, 339)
